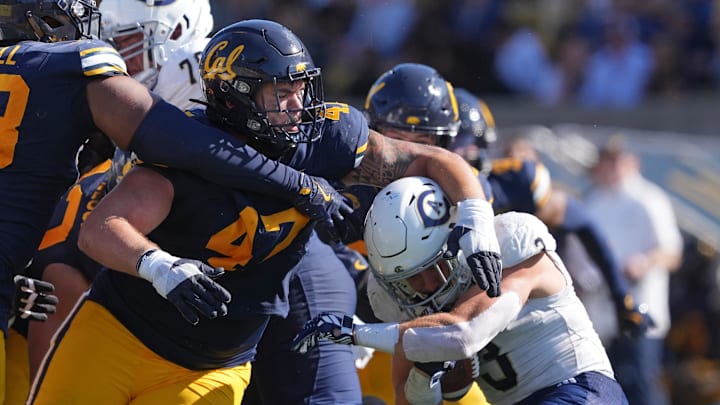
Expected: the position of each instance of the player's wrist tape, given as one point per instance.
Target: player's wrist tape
(475, 213)
(154, 266)
(380, 336)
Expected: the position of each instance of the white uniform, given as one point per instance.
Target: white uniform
(179, 78)
(550, 341)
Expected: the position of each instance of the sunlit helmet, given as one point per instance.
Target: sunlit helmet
(47, 21)
(235, 65)
(413, 97)
(477, 128)
(146, 32)
(406, 231)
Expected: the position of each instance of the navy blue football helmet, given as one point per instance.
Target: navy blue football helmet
(47, 21)
(242, 57)
(477, 127)
(413, 97)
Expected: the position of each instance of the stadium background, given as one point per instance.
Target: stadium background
(672, 122)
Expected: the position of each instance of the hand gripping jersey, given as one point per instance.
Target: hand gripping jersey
(256, 238)
(45, 119)
(519, 185)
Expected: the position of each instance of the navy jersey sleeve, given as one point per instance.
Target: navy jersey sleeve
(519, 185)
(340, 149)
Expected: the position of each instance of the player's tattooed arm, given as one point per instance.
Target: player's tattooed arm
(388, 159)
(385, 160)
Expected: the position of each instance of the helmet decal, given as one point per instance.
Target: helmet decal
(221, 66)
(431, 211)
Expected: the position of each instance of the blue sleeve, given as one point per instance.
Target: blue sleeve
(595, 242)
(168, 137)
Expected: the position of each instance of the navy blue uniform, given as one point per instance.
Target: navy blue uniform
(40, 138)
(259, 240)
(59, 244)
(518, 185)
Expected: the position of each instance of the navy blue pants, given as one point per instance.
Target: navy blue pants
(589, 388)
(638, 368)
(325, 375)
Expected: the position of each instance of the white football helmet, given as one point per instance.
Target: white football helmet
(406, 231)
(152, 29)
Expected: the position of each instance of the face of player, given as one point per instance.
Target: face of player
(410, 136)
(283, 102)
(431, 279)
(129, 47)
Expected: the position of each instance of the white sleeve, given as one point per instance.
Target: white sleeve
(461, 340)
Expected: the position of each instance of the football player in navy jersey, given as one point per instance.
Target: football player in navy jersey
(57, 93)
(161, 44)
(176, 330)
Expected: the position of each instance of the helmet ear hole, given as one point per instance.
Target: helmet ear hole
(177, 32)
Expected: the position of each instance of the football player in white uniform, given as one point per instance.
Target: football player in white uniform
(533, 344)
(161, 43)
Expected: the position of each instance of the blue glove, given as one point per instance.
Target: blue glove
(187, 284)
(33, 298)
(325, 326)
(633, 319)
(322, 203)
(474, 234)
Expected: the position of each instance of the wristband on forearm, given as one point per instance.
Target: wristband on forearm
(380, 336)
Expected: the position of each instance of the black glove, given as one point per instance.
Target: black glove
(187, 284)
(633, 319)
(474, 234)
(322, 203)
(485, 265)
(33, 300)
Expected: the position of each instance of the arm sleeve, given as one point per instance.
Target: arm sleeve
(595, 242)
(168, 137)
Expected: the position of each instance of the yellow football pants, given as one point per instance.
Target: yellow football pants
(98, 361)
(17, 369)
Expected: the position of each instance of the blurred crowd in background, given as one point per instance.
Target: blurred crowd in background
(553, 51)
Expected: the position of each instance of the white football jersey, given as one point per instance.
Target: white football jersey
(551, 340)
(179, 78)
